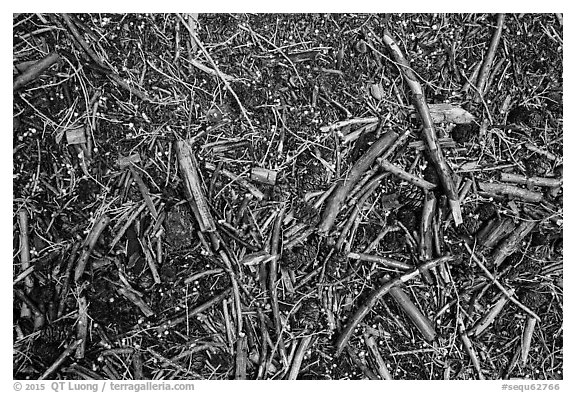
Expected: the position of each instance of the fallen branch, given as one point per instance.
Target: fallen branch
(469, 347)
(496, 189)
(25, 257)
(402, 174)
(298, 357)
(345, 186)
(489, 58)
(531, 181)
(422, 323)
(376, 295)
(193, 186)
(349, 122)
(385, 261)
(89, 245)
(512, 243)
(434, 150)
(35, 70)
(381, 365)
(275, 251)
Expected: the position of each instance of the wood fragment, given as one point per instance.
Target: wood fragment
(381, 368)
(376, 295)
(421, 322)
(193, 187)
(144, 191)
(25, 257)
(469, 347)
(346, 185)
(263, 175)
(402, 174)
(489, 317)
(542, 152)
(89, 245)
(387, 262)
(433, 147)
(495, 230)
(275, 250)
(76, 135)
(512, 243)
(241, 358)
(82, 327)
(489, 58)
(529, 327)
(497, 189)
(298, 357)
(360, 364)
(35, 70)
(341, 124)
(136, 299)
(530, 181)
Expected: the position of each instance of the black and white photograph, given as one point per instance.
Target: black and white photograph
(287, 196)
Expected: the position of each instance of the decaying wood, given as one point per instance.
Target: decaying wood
(497, 189)
(193, 187)
(275, 251)
(469, 347)
(82, 327)
(429, 133)
(263, 175)
(490, 316)
(529, 326)
(346, 185)
(376, 295)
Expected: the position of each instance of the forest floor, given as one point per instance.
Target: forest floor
(174, 176)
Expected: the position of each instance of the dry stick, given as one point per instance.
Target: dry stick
(420, 321)
(402, 174)
(497, 283)
(426, 232)
(265, 339)
(387, 262)
(489, 317)
(510, 191)
(150, 261)
(542, 152)
(494, 231)
(196, 310)
(135, 298)
(434, 150)
(527, 339)
(349, 122)
(376, 295)
(356, 172)
(444, 142)
(298, 357)
(144, 191)
(66, 280)
(469, 347)
(381, 365)
(241, 358)
(82, 327)
(511, 244)
(25, 256)
(89, 245)
(29, 303)
(35, 70)
(193, 186)
(275, 251)
(487, 64)
(60, 360)
(397, 143)
(530, 181)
